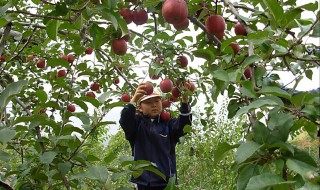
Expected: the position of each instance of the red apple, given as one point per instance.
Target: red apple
(148, 88)
(182, 25)
(126, 14)
(3, 58)
(90, 95)
(247, 73)
(235, 47)
(176, 92)
(239, 30)
(95, 86)
(140, 17)
(71, 108)
(159, 59)
(215, 24)
(182, 61)
(116, 81)
(89, 51)
(125, 98)
(219, 35)
(61, 73)
(192, 86)
(42, 110)
(165, 116)
(126, 37)
(173, 99)
(166, 85)
(65, 57)
(154, 77)
(30, 58)
(70, 58)
(119, 46)
(41, 63)
(166, 103)
(174, 11)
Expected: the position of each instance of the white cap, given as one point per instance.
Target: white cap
(146, 97)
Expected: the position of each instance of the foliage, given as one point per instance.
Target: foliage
(51, 145)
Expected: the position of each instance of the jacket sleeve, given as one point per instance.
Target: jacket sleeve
(177, 124)
(128, 121)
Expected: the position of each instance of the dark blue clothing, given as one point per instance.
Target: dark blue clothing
(154, 141)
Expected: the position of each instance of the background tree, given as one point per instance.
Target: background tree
(66, 64)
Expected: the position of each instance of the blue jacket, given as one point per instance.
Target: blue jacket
(154, 141)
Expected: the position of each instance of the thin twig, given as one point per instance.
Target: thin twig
(4, 37)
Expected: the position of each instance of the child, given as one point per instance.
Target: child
(151, 138)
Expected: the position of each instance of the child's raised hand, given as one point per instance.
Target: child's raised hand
(140, 91)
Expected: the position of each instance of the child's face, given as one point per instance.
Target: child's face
(151, 107)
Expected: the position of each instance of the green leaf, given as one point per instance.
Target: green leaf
(221, 149)
(221, 75)
(258, 37)
(6, 135)
(99, 173)
(265, 180)
(247, 89)
(4, 156)
(11, 90)
(57, 62)
(316, 30)
(274, 91)
(42, 96)
(156, 171)
(245, 151)
(151, 3)
(3, 22)
(279, 48)
(300, 167)
(261, 133)
(275, 9)
(259, 103)
(282, 145)
(64, 168)
(280, 124)
(205, 54)
(245, 174)
(47, 157)
(97, 33)
(249, 60)
(52, 29)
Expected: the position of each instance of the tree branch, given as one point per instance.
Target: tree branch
(4, 37)
(40, 16)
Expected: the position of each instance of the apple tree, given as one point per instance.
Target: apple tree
(65, 64)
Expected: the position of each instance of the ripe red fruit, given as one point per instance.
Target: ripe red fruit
(30, 58)
(176, 92)
(126, 37)
(116, 81)
(182, 61)
(126, 14)
(174, 11)
(215, 24)
(119, 46)
(239, 30)
(70, 58)
(41, 63)
(159, 60)
(166, 85)
(235, 46)
(91, 95)
(165, 116)
(65, 57)
(219, 35)
(61, 73)
(95, 86)
(125, 98)
(154, 77)
(148, 88)
(192, 86)
(71, 108)
(140, 17)
(89, 51)
(166, 103)
(173, 99)
(3, 58)
(182, 25)
(247, 73)
(42, 110)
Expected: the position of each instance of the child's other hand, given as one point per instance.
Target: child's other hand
(140, 91)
